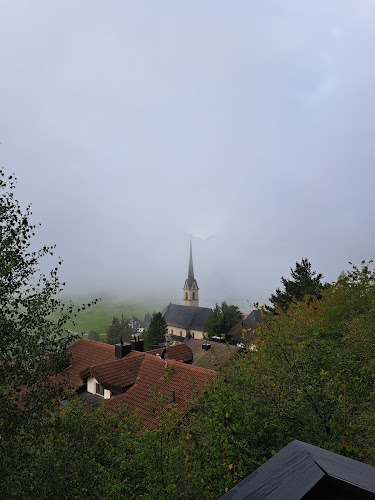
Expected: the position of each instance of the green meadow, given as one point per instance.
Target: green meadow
(98, 316)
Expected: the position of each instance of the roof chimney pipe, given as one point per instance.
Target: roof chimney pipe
(122, 349)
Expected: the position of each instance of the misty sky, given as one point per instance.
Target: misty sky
(249, 124)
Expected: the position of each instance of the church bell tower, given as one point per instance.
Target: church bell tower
(191, 290)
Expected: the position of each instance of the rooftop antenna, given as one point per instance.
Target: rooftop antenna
(168, 341)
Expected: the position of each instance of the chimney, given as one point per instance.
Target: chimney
(137, 344)
(206, 347)
(218, 339)
(122, 349)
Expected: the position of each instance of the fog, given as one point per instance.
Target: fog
(248, 125)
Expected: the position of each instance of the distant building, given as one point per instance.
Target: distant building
(209, 354)
(186, 321)
(244, 330)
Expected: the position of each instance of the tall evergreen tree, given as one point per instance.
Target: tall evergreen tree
(304, 282)
(156, 331)
(221, 319)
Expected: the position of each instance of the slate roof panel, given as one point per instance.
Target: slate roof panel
(298, 468)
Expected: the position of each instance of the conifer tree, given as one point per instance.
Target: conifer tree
(304, 282)
(156, 331)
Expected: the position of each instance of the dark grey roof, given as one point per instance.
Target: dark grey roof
(186, 316)
(301, 470)
(93, 400)
(252, 320)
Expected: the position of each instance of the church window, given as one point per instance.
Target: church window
(186, 295)
(171, 331)
(193, 295)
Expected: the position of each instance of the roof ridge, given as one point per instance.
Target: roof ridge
(140, 366)
(95, 342)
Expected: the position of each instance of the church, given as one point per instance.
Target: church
(186, 321)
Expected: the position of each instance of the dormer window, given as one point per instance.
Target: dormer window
(99, 389)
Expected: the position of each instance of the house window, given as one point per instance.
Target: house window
(192, 334)
(171, 331)
(181, 333)
(99, 389)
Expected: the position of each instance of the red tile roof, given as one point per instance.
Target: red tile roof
(179, 352)
(84, 353)
(119, 373)
(187, 382)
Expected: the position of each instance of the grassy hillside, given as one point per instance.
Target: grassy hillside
(99, 316)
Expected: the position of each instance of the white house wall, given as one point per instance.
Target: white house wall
(91, 387)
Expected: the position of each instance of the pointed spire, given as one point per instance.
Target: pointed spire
(190, 279)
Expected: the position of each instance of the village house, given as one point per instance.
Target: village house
(211, 355)
(244, 330)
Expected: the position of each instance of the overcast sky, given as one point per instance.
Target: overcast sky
(248, 124)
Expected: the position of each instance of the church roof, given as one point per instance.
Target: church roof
(186, 316)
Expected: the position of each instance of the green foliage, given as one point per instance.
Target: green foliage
(93, 335)
(156, 332)
(117, 330)
(32, 345)
(72, 453)
(315, 367)
(304, 282)
(221, 320)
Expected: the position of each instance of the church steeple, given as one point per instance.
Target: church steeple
(191, 270)
(191, 297)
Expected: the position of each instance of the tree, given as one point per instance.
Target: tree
(221, 320)
(117, 330)
(156, 331)
(304, 282)
(93, 335)
(33, 334)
